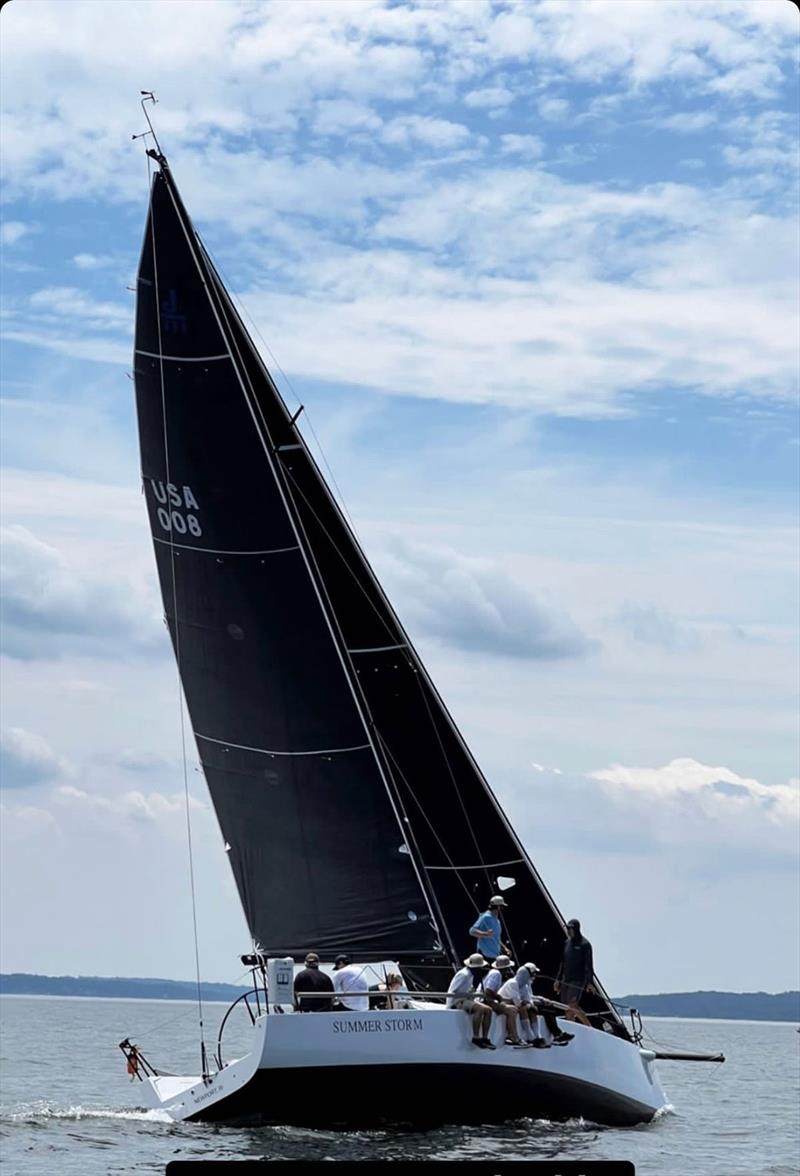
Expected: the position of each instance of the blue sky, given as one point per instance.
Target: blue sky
(532, 269)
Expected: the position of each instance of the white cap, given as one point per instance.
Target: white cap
(497, 900)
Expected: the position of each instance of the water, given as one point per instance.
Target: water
(66, 1104)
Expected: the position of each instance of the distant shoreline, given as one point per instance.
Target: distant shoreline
(151, 1000)
(781, 1007)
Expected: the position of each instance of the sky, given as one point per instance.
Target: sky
(532, 268)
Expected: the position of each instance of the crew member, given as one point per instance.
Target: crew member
(501, 970)
(349, 979)
(519, 991)
(313, 979)
(462, 995)
(576, 973)
(488, 930)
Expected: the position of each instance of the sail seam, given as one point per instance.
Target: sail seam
(180, 358)
(220, 551)
(267, 751)
(479, 866)
(378, 648)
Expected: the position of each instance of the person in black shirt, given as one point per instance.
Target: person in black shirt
(311, 979)
(576, 973)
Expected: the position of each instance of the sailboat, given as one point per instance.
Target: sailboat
(353, 814)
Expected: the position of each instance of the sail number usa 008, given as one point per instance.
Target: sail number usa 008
(180, 521)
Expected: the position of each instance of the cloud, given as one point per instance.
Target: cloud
(141, 760)
(432, 132)
(12, 231)
(654, 626)
(711, 820)
(70, 302)
(553, 109)
(341, 116)
(478, 608)
(92, 349)
(525, 145)
(67, 320)
(688, 121)
(27, 759)
(715, 790)
(153, 807)
(243, 69)
(52, 607)
(704, 820)
(489, 98)
(92, 261)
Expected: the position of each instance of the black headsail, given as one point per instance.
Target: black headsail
(355, 813)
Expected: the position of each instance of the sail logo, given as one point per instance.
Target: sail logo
(172, 321)
(176, 512)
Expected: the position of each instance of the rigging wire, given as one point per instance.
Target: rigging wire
(192, 888)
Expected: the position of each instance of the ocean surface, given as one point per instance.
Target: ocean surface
(67, 1106)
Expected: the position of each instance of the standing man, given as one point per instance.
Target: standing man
(311, 979)
(350, 979)
(576, 973)
(462, 995)
(487, 930)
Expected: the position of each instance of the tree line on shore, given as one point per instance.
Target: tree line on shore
(751, 1006)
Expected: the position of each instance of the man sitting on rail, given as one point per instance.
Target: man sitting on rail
(462, 995)
(501, 970)
(519, 992)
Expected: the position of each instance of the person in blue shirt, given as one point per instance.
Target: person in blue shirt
(487, 930)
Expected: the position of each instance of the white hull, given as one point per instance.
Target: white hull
(415, 1066)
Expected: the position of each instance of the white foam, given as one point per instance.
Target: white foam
(33, 1112)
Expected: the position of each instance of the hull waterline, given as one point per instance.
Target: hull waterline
(412, 1067)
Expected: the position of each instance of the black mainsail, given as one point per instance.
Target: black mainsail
(355, 814)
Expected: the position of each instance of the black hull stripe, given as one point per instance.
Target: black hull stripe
(442, 1093)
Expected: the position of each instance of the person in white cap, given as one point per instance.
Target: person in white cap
(502, 970)
(519, 992)
(487, 929)
(349, 979)
(462, 994)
